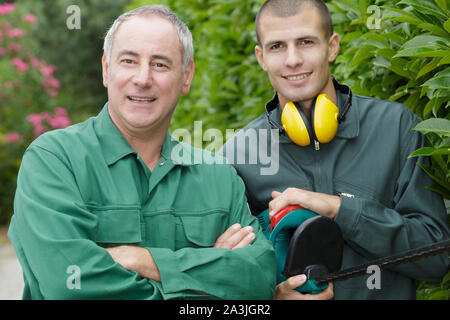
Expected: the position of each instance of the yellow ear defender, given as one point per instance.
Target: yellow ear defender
(325, 117)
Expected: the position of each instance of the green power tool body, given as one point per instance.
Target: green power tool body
(303, 240)
(310, 244)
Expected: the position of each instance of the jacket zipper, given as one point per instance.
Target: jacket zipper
(316, 145)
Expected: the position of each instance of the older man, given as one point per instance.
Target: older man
(102, 209)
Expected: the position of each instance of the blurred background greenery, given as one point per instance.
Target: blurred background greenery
(50, 75)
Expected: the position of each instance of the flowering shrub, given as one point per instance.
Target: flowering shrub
(28, 97)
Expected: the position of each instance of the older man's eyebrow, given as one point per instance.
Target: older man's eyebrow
(128, 53)
(153, 57)
(162, 57)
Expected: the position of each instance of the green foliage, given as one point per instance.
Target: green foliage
(438, 134)
(396, 50)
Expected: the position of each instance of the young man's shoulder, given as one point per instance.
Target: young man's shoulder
(385, 110)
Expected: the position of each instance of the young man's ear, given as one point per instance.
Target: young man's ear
(333, 47)
(260, 57)
(105, 67)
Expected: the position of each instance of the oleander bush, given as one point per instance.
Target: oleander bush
(29, 93)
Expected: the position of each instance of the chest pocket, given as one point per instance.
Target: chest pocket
(200, 230)
(118, 226)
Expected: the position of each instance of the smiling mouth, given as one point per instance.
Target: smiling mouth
(298, 76)
(140, 99)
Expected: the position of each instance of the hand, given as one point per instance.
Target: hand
(320, 203)
(235, 237)
(286, 290)
(137, 259)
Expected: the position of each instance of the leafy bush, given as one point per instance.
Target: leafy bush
(29, 95)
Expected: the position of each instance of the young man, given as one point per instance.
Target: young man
(102, 209)
(362, 178)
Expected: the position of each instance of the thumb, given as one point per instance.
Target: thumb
(296, 281)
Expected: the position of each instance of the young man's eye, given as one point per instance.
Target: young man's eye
(127, 61)
(306, 42)
(275, 46)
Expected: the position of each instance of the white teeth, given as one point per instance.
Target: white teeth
(142, 99)
(297, 77)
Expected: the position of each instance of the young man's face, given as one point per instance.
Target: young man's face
(145, 75)
(296, 54)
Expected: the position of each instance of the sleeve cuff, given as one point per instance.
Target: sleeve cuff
(172, 279)
(348, 215)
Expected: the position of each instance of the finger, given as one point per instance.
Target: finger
(236, 238)
(245, 241)
(228, 233)
(275, 194)
(277, 204)
(293, 282)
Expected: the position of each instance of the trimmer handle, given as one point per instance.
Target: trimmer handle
(280, 214)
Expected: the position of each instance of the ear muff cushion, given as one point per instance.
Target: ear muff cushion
(316, 241)
(325, 119)
(295, 126)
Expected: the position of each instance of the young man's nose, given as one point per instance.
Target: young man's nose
(294, 57)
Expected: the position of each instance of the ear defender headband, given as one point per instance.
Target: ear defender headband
(325, 118)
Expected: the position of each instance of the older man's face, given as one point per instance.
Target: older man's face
(145, 75)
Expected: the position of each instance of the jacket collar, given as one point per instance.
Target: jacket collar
(115, 147)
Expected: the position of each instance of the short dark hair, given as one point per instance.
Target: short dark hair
(288, 8)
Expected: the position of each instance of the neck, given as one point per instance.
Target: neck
(148, 144)
(307, 104)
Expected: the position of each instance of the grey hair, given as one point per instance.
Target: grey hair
(184, 34)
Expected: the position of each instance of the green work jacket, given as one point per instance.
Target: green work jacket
(385, 208)
(84, 188)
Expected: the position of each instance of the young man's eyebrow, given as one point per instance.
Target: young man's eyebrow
(307, 37)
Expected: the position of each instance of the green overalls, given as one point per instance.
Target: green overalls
(84, 188)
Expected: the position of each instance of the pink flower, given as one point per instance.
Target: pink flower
(19, 64)
(47, 70)
(6, 8)
(35, 62)
(2, 52)
(13, 137)
(14, 33)
(59, 120)
(51, 83)
(31, 18)
(14, 47)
